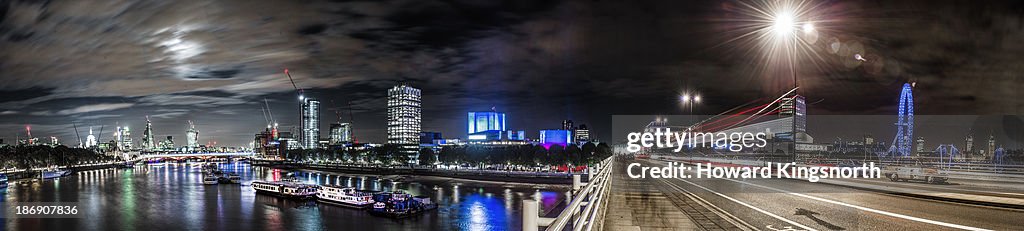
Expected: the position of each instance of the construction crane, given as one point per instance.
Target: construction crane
(297, 90)
(337, 112)
(75, 125)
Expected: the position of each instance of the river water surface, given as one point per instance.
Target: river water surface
(171, 197)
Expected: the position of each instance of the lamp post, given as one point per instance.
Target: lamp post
(688, 101)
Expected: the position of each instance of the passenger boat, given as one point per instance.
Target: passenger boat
(285, 188)
(3, 180)
(125, 165)
(234, 178)
(209, 179)
(399, 204)
(53, 173)
(344, 196)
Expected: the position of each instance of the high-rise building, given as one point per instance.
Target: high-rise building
(148, 142)
(920, 145)
(267, 145)
(582, 134)
(126, 138)
(991, 152)
(486, 121)
(309, 126)
(192, 136)
(167, 144)
(340, 133)
(567, 125)
(404, 117)
(969, 147)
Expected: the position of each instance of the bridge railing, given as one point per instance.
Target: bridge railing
(582, 211)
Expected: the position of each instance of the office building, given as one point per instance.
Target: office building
(309, 126)
(567, 125)
(191, 136)
(126, 138)
(920, 146)
(340, 133)
(404, 117)
(582, 134)
(148, 142)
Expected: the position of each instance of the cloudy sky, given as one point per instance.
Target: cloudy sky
(102, 64)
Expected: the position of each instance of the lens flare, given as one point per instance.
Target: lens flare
(781, 36)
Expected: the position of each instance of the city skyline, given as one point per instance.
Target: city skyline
(214, 63)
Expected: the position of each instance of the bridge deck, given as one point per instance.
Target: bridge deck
(637, 205)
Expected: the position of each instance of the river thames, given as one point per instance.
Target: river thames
(171, 196)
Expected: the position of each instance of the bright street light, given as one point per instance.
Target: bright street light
(783, 23)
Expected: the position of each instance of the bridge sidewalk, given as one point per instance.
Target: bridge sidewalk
(639, 205)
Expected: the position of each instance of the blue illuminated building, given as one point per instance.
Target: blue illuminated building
(552, 137)
(489, 126)
(486, 121)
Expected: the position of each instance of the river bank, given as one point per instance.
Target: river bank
(481, 175)
(29, 174)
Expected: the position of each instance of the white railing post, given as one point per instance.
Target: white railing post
(530, 215)
(584, 202)
(590, 172)
(576, 182)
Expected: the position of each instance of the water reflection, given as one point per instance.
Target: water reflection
(171, 195)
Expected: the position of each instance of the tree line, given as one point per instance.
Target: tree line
(513, 155)
(35, 156)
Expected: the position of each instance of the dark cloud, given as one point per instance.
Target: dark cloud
(106, 63)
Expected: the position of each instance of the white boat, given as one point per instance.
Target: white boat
(285, 188)
(209, 179)
(53, 173)
(344, 196)
(234, 178)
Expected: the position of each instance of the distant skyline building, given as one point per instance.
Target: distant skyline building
(582, 134)
(969, 147)
(126, 138)
(567, 125)
(340, 133)
(429, 137)
(485, 121)
(192, 136)
(167, 144)
(403, 122)
(991, 147)
(148, 141)
(920, 146)
(90, 140)
(309, 126)
(552, 137)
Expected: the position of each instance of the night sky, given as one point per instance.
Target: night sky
(108, 63)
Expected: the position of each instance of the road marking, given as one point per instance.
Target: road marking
(931, 186)
(714, 209)
(750, 206)
(918, 219)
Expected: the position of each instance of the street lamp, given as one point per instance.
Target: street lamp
(689, 100)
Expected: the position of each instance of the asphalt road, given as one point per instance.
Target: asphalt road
(768, 204)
